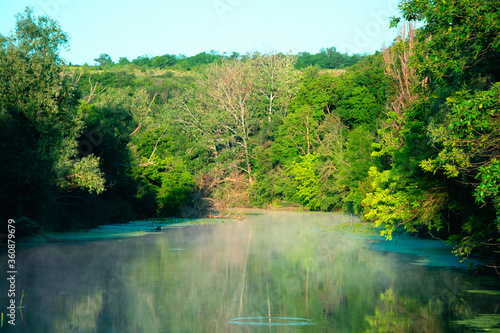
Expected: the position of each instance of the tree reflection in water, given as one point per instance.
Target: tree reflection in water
(276, 267)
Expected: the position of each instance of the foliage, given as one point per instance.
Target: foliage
(168, 179)
(443, 121)
(103, 80)
(470, 142)
(326, 58)
(459, 42)
(104, 60)
(360, 97)
(39, 125)
(398, 200)
(306, 180)
(352, 175)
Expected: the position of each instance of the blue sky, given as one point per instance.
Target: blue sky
(131, 28)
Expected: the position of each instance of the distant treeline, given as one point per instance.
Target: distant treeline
(328, 58)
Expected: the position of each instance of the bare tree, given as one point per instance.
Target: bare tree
(194, 118)
(397, 61)
(276, 80)
(93, 89)
(225, 109)
(226, 91)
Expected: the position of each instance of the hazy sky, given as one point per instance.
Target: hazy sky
(130, 28)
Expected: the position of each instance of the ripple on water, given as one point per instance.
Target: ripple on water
(273, 321)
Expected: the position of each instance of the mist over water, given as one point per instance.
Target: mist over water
(275, 272)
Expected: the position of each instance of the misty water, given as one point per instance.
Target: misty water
(272, 272)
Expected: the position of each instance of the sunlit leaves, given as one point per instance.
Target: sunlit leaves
(456, 60)
(389, 204)
(306, 180)
(85, 173)
(471, 135)
(459, 41)
(397, 200)
(489, 186)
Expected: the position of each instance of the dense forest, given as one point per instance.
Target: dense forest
(408, 137)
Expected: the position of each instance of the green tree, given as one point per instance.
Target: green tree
(123, 61)
(104, 60)
(458, 44)
(446, 123)
(38, 118)
(457, 51)
(357, 160)
(305, 178)
(400, 193)
(361, 94)
(163, 61)
(299, 133)
(168, 179)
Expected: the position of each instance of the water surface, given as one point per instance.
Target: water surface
(274, 272)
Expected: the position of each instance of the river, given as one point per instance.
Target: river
(270, 272)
